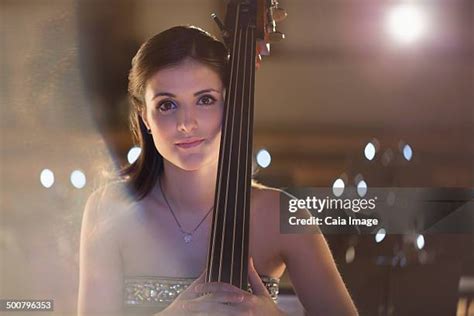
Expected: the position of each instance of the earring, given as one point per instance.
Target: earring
(149, 131)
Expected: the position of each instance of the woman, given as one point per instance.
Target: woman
(145, 248)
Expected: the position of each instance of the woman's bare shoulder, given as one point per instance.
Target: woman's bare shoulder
(267, 195)
(266, 201)
(115, 191)
(109, 204)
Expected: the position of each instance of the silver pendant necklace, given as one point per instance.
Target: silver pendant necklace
(188, 236)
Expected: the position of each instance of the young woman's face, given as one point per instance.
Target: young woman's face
(184, 108)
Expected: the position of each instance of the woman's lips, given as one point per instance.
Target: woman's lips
(190, 144)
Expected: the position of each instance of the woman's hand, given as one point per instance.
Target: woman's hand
(191, 302)
(219, 298)
(258, 303)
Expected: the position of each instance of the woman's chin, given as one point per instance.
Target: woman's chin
(191, 164)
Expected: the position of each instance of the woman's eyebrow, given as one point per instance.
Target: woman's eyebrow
(167, 94)
(163, 94)
(206, 91)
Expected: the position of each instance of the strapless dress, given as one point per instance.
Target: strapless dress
(146, 295)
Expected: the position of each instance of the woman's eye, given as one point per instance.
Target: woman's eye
(207, 100)
(165, 106)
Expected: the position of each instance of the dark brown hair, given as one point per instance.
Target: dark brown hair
(163, 50)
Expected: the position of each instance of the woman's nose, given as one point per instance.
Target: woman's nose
(186, 121)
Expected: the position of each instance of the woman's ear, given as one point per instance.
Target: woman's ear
(142, 115)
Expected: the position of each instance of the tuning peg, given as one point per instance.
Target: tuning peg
(276, 36)
(219, 24)
(279, 14)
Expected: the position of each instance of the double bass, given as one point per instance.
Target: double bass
(248, 30)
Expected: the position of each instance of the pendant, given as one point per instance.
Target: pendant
(188, 238)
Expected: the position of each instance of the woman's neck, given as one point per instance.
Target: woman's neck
(189, 191)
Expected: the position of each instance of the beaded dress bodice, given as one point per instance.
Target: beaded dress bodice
(148, 295)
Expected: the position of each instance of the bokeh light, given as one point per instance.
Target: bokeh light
(369, 151)
(264, 158)
(133, 154)
(407, 152)
(380, 235)
(338, 187)
(47, 178)
(362, 188)
(406, 23)
(78, 179)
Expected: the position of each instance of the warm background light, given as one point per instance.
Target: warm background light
(406, 23)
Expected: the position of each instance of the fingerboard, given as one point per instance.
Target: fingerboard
(229, 239)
